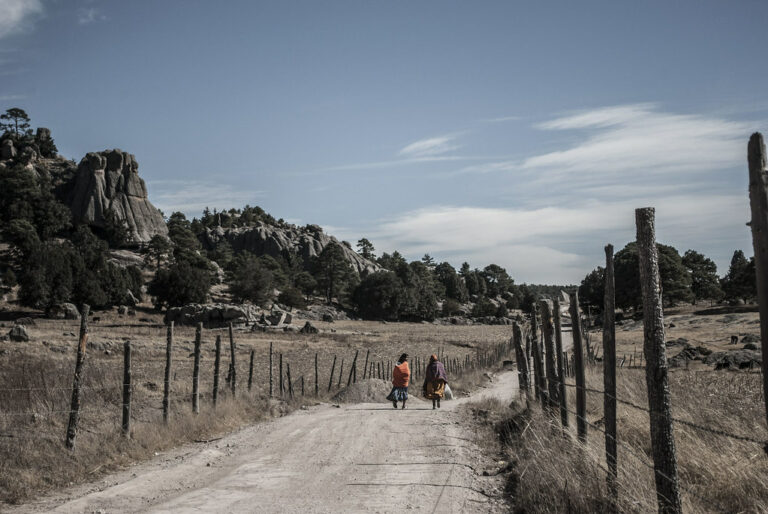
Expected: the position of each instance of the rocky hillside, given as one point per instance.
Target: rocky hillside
(276, 240)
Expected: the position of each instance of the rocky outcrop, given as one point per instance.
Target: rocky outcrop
(212, 315)
(272, 240)
(109, 180)
(63, 311)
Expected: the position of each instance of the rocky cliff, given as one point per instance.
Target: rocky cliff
(273, 240)
(109, 180)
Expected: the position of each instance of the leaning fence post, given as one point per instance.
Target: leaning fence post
(549, 342)
(662, 440)
(196, 370)
(578, 362)
(562, 395)
(126, 425)
(216, 369)
(290, 384)
(341, 372)
(233, 383)
(353, 370)
(250, 372)
(758, 200)
(333, 367)
(609, 376)
(74, 409)
(522, 363)
(167, 383)
(365, 367)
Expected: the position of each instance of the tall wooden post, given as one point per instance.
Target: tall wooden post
(522, 362)
(282, 389)
(250, 372)
(609, 375)
(126, 425)
(333, 367)
(317, 385)
(353, 370)
(341, 372)
(758, 199)
(196, 370)
(578, 362)
(167, 381)
(549, 343)
(538, 361)
(562, 396)
(657, 380)
(74, 408)
(233, 363)
(271, 367)
(365, 367)
(290, 383)
(216, 370)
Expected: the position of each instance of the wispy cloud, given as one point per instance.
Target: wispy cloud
(191, 197)
(17, 15)
(430, 147)
(10, 98)
(502, 119)
(88, 15)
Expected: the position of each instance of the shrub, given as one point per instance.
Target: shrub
(483, 307)
(292, 297)
(451, 307)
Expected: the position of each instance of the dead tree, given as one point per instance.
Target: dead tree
(758, 199)
(656, 377)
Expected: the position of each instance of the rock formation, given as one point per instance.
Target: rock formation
(272, 240)
(109, 180)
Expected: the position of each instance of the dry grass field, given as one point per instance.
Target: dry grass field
(36, 380)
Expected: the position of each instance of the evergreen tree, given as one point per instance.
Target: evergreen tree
(365, 249)
(592, 288)
(14, 120)
(333, 272)
(704, 281)
(740, 281)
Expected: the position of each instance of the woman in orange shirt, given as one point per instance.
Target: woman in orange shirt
(401, 376)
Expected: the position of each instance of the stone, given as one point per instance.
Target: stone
(288, 318)
(276, 318)
(109, 180)
(18, 334)
(735, 359)
(327, 318)
(63, 311)
(212, 315)
(309, 328)
(7, 150)
(122, 310)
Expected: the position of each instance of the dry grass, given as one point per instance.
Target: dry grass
(36, 379)
(555, 473)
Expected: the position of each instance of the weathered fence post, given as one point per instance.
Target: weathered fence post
(290, 384)
(522, 362)
(538, 361)
(282, 388)
(250, 372)
(341, 372)
(233, 363)
(609, 376)
(758, 200)
(333, 367)
(662, 440)
(216, 369)
(353, 370)
(196, 370)
(562, 396)
(317, 390)
(549, 343)
(126, 425)
(365, 367)
(302, 385)
(74, 409)
(578, 362)
(167, 382)
(271, 380)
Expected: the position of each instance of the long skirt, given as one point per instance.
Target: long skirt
(435, 389)
(398, 394)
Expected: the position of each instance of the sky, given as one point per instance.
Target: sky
(518, 133)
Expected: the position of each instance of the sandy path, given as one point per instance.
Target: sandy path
(357, 458)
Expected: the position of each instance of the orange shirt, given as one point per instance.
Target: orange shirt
(401, 375)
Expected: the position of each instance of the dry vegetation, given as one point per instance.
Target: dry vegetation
(36, 379)
(555, 473)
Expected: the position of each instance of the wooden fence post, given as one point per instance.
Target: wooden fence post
(333, 367)
(578, 361)
(233, 363)
(126, 425)
(282, 387)
(74, 408)
(271, 380)
(657, 380)
(522, 362)
(758, 200)
(167, 382)
(538, 362)
(609, 376)
(216, 369)
(341, 372)
(250, 372)
(365, 367)
(317, 390)
(302, 385)
(290, 384)
(562, 395)
(353, 370)
(553, 391)
(196, 370)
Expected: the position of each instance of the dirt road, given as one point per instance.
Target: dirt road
(353, 458)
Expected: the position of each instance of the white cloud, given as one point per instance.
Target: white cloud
(502, 119)
(191, 197)
(430, 147)
(16, 15)
(8, 98)
(89, 15)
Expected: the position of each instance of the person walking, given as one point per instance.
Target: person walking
(435, 381)
(401, 376)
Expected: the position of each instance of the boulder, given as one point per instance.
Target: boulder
(735, 359)
(63, 311)
(212, 315)
(122, 310)
(18, 334)
(327, 318)
(288, 318)
(276, 318)
(7, 150)
(109, 180)
(309, 328)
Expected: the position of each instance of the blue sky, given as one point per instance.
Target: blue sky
(521, 133)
